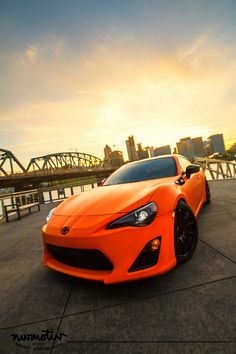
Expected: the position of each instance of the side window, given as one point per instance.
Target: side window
(184, 163)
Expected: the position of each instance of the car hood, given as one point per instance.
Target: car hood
(114, 199)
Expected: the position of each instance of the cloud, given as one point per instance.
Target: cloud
(52, 45)
(48, 46)
(32, 53)
(86, 92)
(38, 142)
(195, 46)
(158, 97)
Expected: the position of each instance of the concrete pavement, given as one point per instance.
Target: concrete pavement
(188, 310)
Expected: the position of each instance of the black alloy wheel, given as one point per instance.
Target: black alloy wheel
(185, 232)
(208, 192)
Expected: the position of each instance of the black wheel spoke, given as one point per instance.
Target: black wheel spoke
(181, 245)
(191, 233)
(190, 223)
(186, 240)
(185, 245)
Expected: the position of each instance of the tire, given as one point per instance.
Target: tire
(185, 232)
(208, 192)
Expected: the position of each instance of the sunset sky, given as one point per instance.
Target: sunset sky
(82, 74)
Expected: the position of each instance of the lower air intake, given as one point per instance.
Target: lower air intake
(80, 258)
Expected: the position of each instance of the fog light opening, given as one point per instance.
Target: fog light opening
(155, 244)
(149, 255)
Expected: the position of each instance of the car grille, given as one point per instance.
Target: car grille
(80, 258)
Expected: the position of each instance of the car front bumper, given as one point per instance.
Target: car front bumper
(120, 246)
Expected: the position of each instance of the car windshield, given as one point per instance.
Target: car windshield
(143, 170)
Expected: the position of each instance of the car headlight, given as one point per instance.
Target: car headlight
(139, 217)
(50, 214)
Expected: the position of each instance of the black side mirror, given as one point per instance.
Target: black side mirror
(192, 169)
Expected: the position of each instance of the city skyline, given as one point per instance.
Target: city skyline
(76, 74)
(190, 147)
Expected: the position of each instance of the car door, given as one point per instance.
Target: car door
(192, 188)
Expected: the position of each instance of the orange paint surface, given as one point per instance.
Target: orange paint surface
(88, 214)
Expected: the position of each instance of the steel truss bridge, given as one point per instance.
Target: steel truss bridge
(51, 167)
(10, 165)
(64, 160)
(66, 165)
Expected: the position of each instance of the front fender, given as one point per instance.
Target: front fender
(167, 196)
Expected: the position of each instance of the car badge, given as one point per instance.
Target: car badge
(65, 230)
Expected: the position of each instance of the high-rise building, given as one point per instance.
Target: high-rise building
(216, 143)
(107, 152)
(191, 147)
(113, 158)
(198, 147)
(142, 153)
(150, 150)
(116, 158)
(131, 148)
(185, 148)
(207, 148)
(162, 150)
(233, 148)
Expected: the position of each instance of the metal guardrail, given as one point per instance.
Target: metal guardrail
(20, 198)
(61, 192)
(51, 171)
(43, 195)
(218, 169)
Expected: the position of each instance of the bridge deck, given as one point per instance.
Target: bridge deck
(188, 310)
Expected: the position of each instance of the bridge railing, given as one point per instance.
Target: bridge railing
(44, 195)
(61, 192)
(48, 171)
(217, 169)
(21, 198)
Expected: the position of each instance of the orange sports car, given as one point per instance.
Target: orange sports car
(140, 223)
